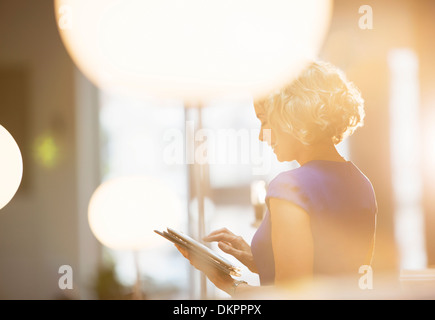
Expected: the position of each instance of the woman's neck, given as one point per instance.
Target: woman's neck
(321, 151)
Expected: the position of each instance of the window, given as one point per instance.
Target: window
(405, 154)
(132, 143)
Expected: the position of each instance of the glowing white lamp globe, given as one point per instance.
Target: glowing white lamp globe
(193, 50)
(11, 167)
(124, 212)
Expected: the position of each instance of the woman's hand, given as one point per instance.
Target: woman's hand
(221, 280)
(233, 245)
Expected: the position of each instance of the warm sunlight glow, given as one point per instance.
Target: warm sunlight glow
(123, 212)
(192, 50)
(405, 162)
(11, 167)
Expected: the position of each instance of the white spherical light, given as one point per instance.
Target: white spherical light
(11, 167)
(193, 50)
(124, 212)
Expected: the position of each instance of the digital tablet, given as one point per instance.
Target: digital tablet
(200, 250)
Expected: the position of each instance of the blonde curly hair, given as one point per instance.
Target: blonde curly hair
(320, 104)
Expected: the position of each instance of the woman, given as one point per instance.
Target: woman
(320, 219)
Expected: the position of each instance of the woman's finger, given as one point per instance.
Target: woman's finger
(242, 255)
(219, 237)
(183, 251)
(219, 231)
(194, 260)
(230, 250)
(235, 241)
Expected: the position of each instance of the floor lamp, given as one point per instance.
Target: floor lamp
(122, 215)
(196, 185)
(11, 167)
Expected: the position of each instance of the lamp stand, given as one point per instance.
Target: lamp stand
(196, 176)
(137, 292)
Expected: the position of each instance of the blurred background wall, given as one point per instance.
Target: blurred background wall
(39, 229)
(53, 112)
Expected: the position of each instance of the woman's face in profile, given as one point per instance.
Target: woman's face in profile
(284, 145)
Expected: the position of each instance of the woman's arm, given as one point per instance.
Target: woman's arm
(234, 245)
(292, 242)
(220, 279)
(292, 246)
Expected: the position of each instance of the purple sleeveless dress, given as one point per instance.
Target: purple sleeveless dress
(341, 203)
